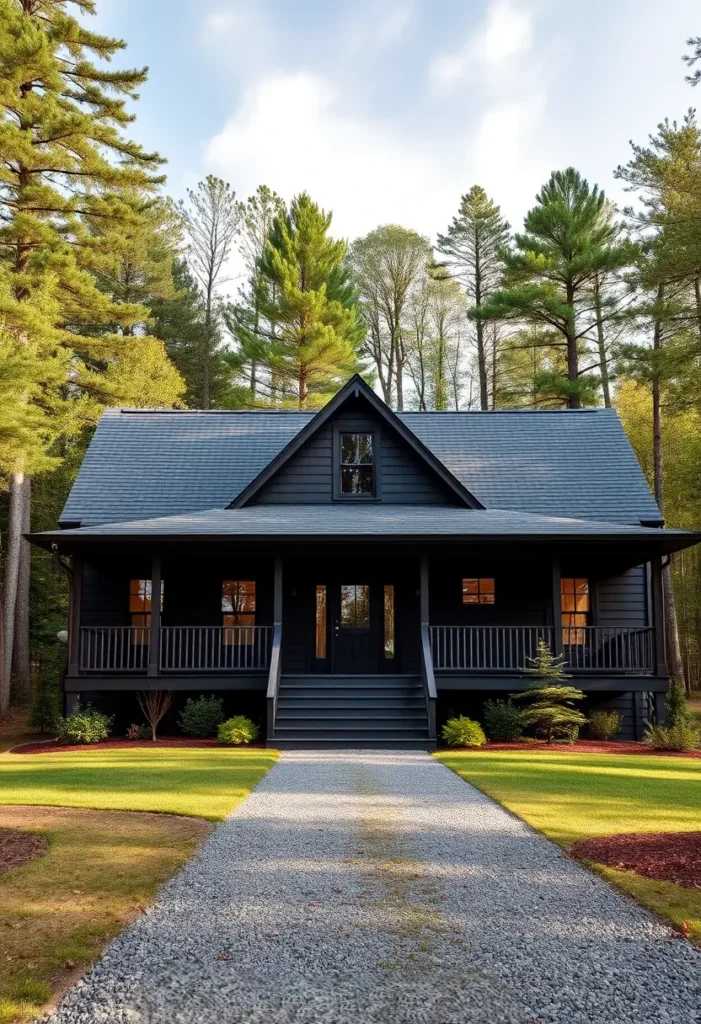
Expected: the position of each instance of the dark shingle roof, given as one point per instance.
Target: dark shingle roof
(563, 463)
(384, 521)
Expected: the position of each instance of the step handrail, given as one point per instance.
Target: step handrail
(429, 681)
(274, 678)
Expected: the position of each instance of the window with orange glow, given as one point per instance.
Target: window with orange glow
(238, 605)
(320, 627)
(140, 609)
(574, 599)
(389, 620)
(478, 591)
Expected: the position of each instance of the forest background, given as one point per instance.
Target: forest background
(114, 294)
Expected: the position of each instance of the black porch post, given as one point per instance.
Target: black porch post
(658, 617)
(276, 653)
(74, 602)
(557, 607)
(154, 647)
(424, 590)
(426, 653)
(277, 592)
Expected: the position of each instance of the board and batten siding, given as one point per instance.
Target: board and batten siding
(622, 600)
(307, 477)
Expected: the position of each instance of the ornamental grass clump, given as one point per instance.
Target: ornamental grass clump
(549, 703)
(603, 725)
(237, 731)
(84, 725)
(463, 732)
(502, 721)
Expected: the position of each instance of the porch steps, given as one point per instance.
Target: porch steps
(343, 711)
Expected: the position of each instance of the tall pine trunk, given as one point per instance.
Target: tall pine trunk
(573, 401)
(15, 525)
(21, 653)
(675, 664)
(601, 341)
(481, 353)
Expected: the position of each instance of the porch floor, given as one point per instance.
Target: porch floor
(378, 886)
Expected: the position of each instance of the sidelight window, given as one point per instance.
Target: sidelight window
(389, 621)
(238, 606)
(478, 591)
(574, 599)
(357, 465)
(320, 628)
(355, 606)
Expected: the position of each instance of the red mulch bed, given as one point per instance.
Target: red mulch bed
(667, 856)
(16, 848)
(584, 747)
(53, 746)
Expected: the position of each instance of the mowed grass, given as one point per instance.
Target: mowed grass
(104, 865)
(569, 796)
(207, 782)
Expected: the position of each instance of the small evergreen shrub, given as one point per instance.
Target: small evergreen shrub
(201, 717)
(237, 730)
(463, 732)
(138, 732)
(604, 725)
(549, 701)
(672, 737)
(677, 709)
(502, 721)
(84, 725)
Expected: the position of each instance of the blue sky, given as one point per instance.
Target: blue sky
(387, 111)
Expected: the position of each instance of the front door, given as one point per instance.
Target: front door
(356, 627)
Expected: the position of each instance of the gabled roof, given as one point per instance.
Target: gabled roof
(381, 522)
(579, 463)
(357, 388)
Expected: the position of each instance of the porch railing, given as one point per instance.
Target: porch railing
(486, 648)
(114, 648)
(609, 649)
(510, 648)
(215, 648)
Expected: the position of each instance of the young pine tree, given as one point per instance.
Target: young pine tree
(305, 290)
(549, 702)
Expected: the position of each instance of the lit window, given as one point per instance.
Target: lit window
(238, 605)
(140, 609)
(355, 606)
(357, 470)
(478, 591)
(320, 632)
(389, 621)
(574, 598)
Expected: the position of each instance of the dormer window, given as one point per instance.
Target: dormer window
(357, 465)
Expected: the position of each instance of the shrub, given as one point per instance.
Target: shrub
(502, 721)
(237, 730)
(672, 737)
(463, 732)
(202, 716)
(138, 732)
(604, 724)
(550, 703)
(677, 709)
(84, 725)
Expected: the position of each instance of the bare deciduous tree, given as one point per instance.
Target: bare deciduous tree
(154, 704)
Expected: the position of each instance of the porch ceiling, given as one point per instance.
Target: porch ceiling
(340, 522)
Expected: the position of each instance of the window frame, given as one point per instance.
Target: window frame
(141, 638)
(355, 628)
(229, 637)
(571, 635)
(376, 436)
(479, 593)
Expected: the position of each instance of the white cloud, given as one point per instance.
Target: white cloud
(507, 30)
(291, 132)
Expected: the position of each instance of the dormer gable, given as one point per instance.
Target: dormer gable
(356, 450)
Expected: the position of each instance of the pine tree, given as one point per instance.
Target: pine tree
(549, 702)
(569, 239)
(474, 245)
(66, 164)
(305, 290)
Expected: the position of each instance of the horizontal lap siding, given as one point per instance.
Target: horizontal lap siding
(622, 600)
(625, 705)
(307, 478)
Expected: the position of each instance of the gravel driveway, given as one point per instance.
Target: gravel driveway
(378, 888)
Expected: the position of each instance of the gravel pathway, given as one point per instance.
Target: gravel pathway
(379, 888)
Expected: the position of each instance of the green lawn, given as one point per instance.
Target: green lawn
(207, 782)
(571, 796)
(103, 866)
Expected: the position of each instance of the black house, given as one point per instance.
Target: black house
(350, 575)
